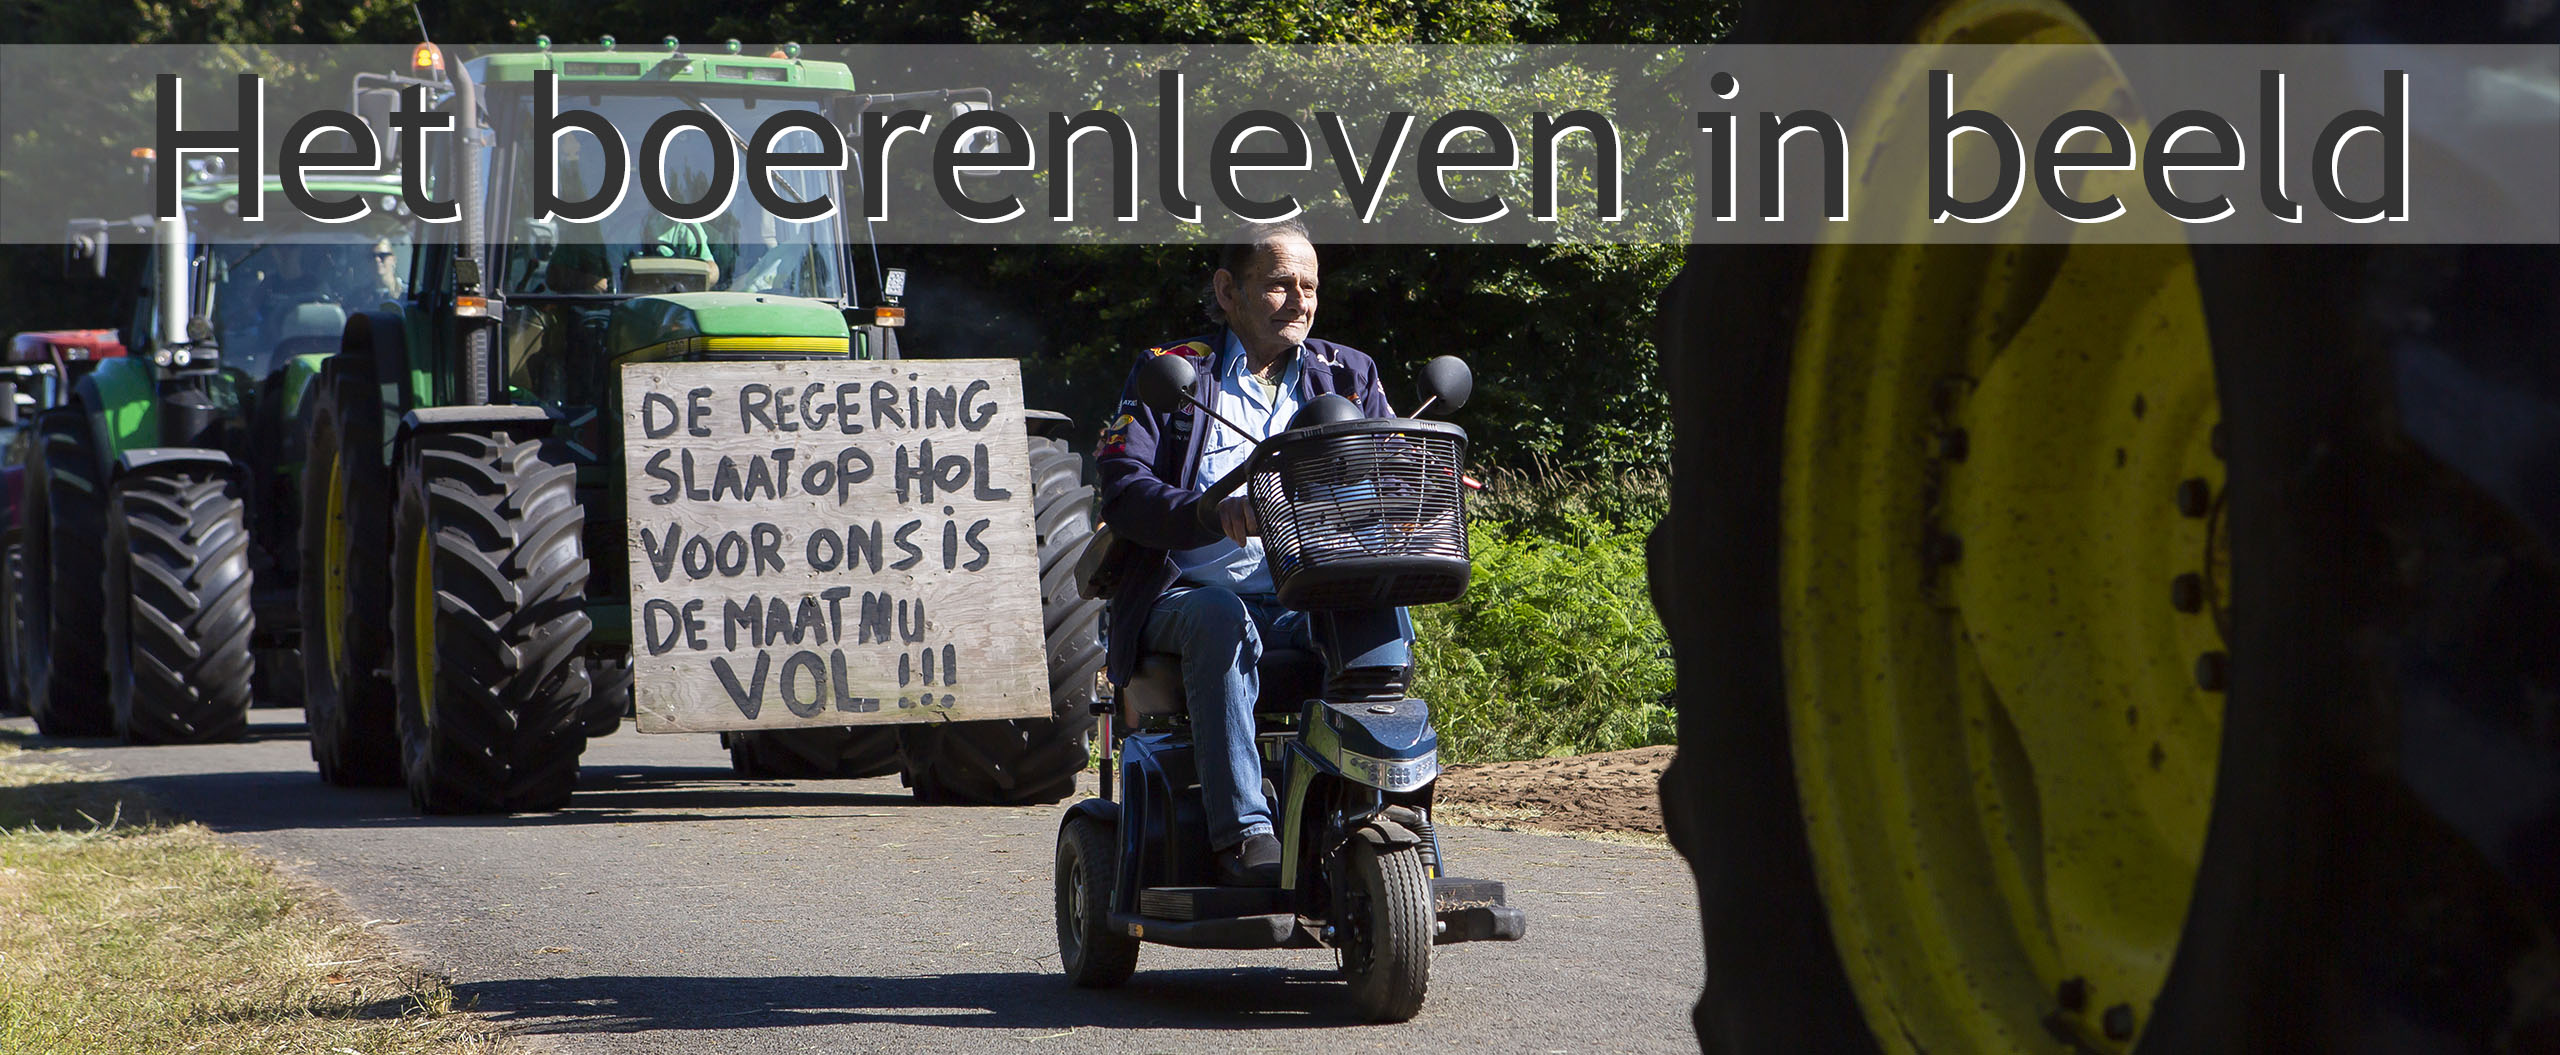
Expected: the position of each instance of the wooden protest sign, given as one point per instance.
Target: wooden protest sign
(830, 542)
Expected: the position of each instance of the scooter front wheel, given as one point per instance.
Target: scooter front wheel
(1095, 955)
(1387, 919)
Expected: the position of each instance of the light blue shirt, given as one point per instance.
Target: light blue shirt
(1223, 563)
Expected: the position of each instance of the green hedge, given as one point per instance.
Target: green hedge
(1554, 650)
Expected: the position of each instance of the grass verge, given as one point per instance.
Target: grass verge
(123, 932)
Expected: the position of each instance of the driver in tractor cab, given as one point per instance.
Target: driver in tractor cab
(1196, 594)
(580, 267)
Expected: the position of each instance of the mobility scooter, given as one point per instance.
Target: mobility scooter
(1360, 518)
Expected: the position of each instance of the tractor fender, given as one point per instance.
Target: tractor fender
(1048, 424)
(150, 457)
(119, 399)
(377, 343)
(1101, 811)
(506, 417)
(1387, 835)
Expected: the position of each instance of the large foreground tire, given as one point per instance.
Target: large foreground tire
(822, 753)
(489, 622)
(2343, 796)
(67, 683)
(178, 615)
(1033, 760)
(1095, 954)
(1386, 953)
(347, 695)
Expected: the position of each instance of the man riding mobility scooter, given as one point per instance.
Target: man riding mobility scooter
(1359, 517)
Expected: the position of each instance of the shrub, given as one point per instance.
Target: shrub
(1555, 650)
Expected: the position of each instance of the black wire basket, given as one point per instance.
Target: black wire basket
(1364, 514)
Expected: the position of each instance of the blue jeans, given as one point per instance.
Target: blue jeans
(1220, 637)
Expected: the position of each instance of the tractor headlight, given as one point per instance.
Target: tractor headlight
(160, 357)
(183, 356)
(1391, 774)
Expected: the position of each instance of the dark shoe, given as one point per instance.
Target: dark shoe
(1253, 862)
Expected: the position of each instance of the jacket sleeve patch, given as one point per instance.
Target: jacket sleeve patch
(1115, 436)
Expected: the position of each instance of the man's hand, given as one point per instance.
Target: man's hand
(1235, 517)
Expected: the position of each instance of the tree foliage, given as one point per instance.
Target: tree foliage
(1558, 335)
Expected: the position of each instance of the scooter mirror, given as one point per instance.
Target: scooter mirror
(1163, 380)
(1446, 381)
(1325, 410)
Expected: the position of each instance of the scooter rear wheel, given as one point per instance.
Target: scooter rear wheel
(1386, 953)
(1095, 955)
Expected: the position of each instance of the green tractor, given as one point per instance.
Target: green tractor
(158, 520)
(476, 427)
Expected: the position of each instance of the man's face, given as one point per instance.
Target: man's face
(386, 265)
(1272, 305)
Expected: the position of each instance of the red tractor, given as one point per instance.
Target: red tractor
(38, 373)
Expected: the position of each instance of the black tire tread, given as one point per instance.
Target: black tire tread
(67, 691)
(827, 752)
(1029, 761)
(354, 739)
(501, 518)
(180, 579)
(1391, 981)
(1100, 956)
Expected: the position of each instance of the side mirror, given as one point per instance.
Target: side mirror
(1164, 380)
(977, 140)
(1446, 381)
(374, 107)
(85, 248)
(1326, 409)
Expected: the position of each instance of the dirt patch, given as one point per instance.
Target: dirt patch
(1610, 793)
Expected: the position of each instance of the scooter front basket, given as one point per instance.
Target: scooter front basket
(1364, 514)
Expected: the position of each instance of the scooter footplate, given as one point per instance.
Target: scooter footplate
(1449, 893)
(1207, 902)
(1276, 931)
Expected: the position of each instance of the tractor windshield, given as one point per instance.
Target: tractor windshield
(287, 295)
(634, 250)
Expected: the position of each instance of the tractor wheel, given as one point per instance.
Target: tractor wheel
(1031, 760)
(67, 684)
(178, 618)
(1388, 918)
(489, 622)
(13, 578)
(1096, 954)
(347, 696)
(832, 752)
(610, 680)
(2071, 635)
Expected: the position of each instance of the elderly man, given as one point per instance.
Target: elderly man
(1191, 592)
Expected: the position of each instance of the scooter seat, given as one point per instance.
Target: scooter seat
(1289, 676)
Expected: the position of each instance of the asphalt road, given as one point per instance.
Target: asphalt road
(674, 908)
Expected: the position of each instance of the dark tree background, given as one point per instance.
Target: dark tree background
(1560, 337)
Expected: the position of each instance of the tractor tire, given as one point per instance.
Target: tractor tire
(178, 619)
(489, 622)
(611, 685)
(1095, 954)
(2345, 799)
(1032, 760)
(13, 578)
(1387, 957)
(67, 685)
(347, 697)
(821, 753)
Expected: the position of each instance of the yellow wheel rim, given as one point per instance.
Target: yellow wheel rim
(422, 623)
(333, 570)
(1998, 593)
